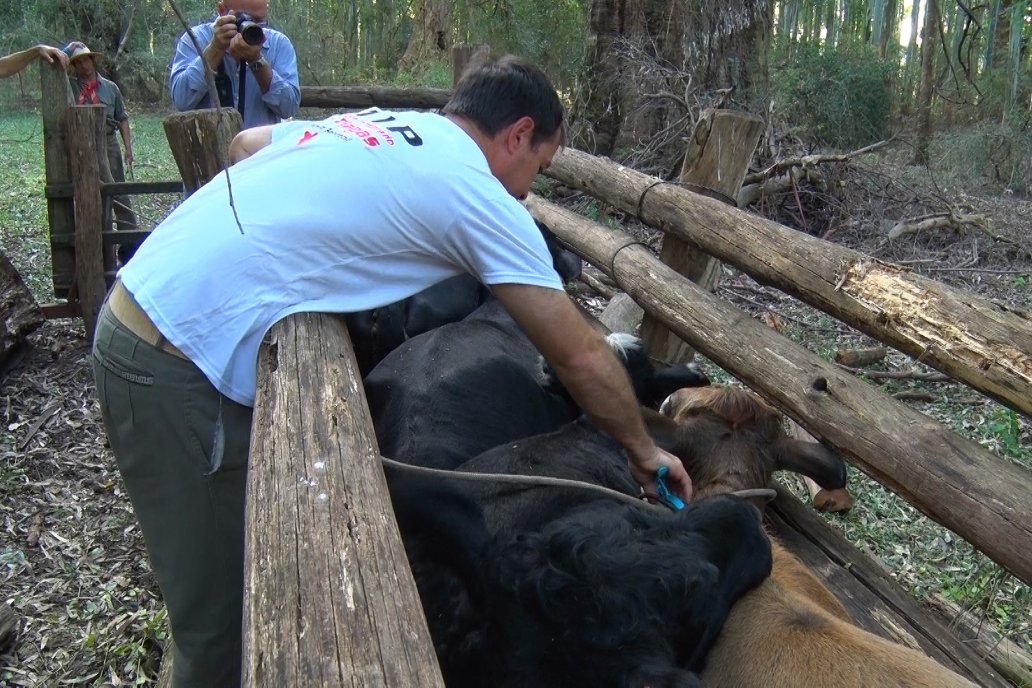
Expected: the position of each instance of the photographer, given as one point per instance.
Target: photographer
(258, 78)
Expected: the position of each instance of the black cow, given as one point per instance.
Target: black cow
(449, 394)
(375, 333)
(597, 594)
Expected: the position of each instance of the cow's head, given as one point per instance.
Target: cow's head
(729, 439)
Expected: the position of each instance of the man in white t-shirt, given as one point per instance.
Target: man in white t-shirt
(335, 216)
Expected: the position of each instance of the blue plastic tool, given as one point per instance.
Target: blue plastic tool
(664, 493)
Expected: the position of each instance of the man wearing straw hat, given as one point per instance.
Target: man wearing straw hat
(90, 88)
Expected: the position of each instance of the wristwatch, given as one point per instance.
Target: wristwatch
(258, 65)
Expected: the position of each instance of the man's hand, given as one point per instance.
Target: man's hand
(50, 53)
(225, 32)
(128, 155)
(242, 51)
(678, 480)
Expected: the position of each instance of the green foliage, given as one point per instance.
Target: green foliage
(986, 155)
(841, 98)
(550, 34)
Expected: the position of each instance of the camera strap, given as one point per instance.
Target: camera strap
(223, 87)
(240, 89)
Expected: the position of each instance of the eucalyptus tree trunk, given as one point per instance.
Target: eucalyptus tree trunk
(642, 54)
(991, 37)
(431, 38)
(831, 24)
(1017, 19)
(911, 66)
(930, 43)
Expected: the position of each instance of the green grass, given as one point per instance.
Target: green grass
(24, 236)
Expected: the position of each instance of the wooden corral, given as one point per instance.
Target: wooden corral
(921, 460)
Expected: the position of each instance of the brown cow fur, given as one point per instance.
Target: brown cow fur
(790, 631)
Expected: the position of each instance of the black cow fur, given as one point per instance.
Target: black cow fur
(607, 595)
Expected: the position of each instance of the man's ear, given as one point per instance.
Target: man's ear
(521, 132)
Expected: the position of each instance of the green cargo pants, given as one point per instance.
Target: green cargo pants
(182, 450)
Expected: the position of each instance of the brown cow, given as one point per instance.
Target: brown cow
(789, 631)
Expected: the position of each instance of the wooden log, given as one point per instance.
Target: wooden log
(717, 159)
(416, 98)
(982, 343)
(57, 97)
(1003, 655)
(858, 358)
(200, 140)
(20, 315)
(955, 481)
(874, 600)
(464, 55)
(329, 598)
(85, 126)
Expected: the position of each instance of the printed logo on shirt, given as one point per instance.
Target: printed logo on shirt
(361, 126)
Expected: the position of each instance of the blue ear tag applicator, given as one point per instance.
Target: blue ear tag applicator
(664, 493)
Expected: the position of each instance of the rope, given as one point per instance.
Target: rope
(548, 481)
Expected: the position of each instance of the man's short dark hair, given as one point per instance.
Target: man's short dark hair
(498, 92)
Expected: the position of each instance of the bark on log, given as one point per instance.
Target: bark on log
(717, 158)
(20, 315)
(857, 358)
(1002, 654)
(85, 137)
(373, 96)
(57, 98)
(200, 140)
(329, 599)
(986, 345)
(955, 481)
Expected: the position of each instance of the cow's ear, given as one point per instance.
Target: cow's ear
(812, 459)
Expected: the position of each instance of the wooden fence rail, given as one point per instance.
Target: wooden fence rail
(981, 343)
(977, 495)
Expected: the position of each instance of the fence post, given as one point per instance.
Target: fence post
(57, 98)
(715, 164)
(200, 140)
(85, 127)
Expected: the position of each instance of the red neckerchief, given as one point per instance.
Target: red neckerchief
(89, 93)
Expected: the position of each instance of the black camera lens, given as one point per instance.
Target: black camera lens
(250, 30)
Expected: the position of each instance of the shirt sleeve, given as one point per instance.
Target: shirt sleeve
(499, 243)
(284, 94)
(120, 114)
(186, 79)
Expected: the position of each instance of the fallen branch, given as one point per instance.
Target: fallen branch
(598, 286)
(954, 219)
(898, 374)
(782, 166)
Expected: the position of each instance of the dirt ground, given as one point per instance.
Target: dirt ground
(72, 563)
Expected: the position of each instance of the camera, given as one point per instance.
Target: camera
(249, 29)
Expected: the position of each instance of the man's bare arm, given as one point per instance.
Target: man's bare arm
(594, 377)
(248, 142)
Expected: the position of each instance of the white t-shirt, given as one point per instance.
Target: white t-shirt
(336, 216)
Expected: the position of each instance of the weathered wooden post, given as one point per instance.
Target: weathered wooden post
(200, 140)
(465, 54)
(329, 599)
(57, 98)
(85, 127)
(715, 164)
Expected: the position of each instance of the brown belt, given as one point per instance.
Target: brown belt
(124, 307)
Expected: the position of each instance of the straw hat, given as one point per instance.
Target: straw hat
(77, 49)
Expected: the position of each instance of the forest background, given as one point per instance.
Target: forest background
(946, 84)
(843, 72)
